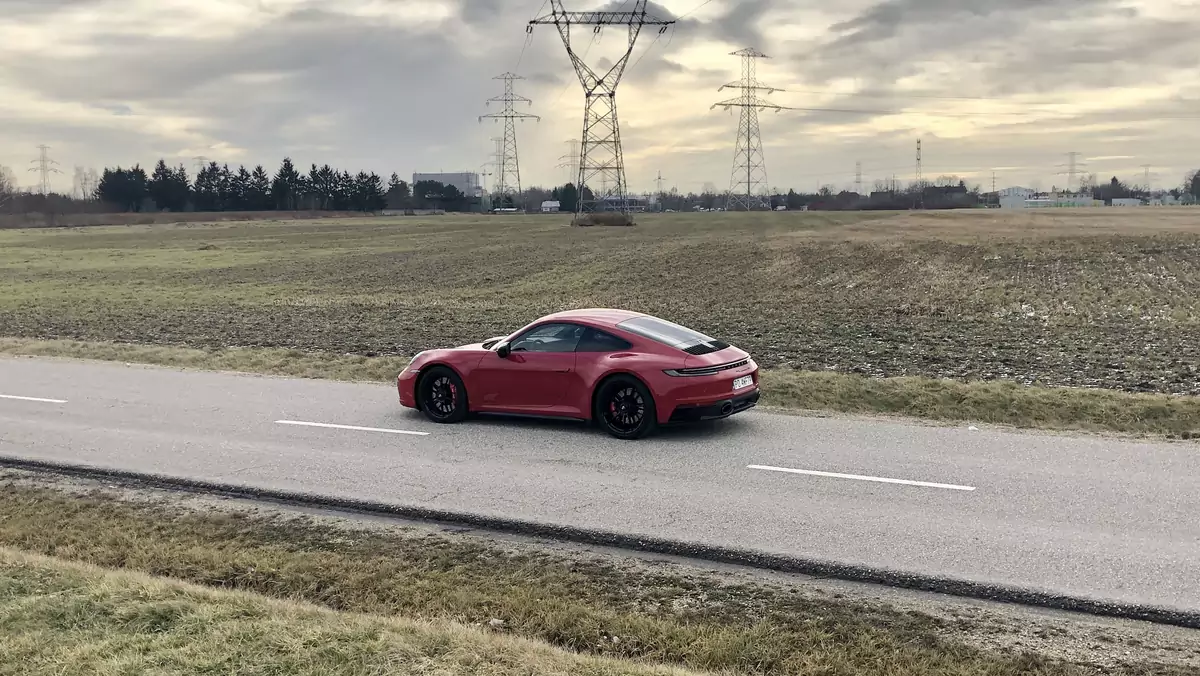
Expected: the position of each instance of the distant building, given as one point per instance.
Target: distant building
(1126, 202)
(1014, 198)
(551, 206)
(466, 182)
(633, 204)
(1062, 200)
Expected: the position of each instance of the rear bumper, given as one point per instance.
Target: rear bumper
(690, 413)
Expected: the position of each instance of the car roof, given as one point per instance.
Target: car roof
(600, 316)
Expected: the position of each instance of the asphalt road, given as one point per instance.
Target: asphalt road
(1086, 517)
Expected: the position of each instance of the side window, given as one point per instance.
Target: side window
(595, 340)
(549, 338)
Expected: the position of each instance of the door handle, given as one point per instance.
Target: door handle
(562, 370)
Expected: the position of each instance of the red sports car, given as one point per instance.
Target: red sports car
(626, 371)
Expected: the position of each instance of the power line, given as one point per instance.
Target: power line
(656, 39)
(914, 95)
(697, 9)
(887, 111)
(528, 40)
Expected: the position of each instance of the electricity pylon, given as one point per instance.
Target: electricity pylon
(570, 161)
(749, 178)
(600, 157)
(45, 167)
(508, 170)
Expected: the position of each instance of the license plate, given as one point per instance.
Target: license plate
(743, 383)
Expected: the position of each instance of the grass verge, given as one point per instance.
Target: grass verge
(585, 604)
(991, 402)
(64, 619)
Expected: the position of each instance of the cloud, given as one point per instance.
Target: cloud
(11, 9)
(398, 85)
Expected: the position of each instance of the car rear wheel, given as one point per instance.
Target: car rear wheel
(625, 408)
(442, 396)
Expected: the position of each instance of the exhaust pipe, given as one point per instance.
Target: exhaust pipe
(727, 408)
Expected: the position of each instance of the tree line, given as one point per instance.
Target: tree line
(218, 187)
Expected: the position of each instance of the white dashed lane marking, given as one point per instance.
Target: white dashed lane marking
(858, 477)
(37, 399)
(350, 427)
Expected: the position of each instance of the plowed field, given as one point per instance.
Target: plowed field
(1091, 297)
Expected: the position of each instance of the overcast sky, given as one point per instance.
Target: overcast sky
(398, 85)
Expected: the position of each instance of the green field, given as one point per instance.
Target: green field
(1100, 298)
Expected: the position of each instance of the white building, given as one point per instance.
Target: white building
(1126, 202)
(1014, 198)
(1062, 200)
(551, 207)
(467, 182)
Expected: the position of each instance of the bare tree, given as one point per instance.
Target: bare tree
(1087, 183)
(8, 185)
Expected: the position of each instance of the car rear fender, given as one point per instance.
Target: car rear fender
(591, 410)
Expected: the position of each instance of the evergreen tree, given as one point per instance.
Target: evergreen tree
(285, 186)
(398, 193)
(568, 198)
(225, 198)
(125, 189)
(239, 190)
(207, 191)
(368, 192)
(317, 192)
(258, 194)
(168, 188)
(343, 191)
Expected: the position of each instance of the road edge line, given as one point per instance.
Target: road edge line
(640, 543)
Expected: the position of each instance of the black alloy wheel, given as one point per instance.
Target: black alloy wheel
(626, 409)
(443, 397)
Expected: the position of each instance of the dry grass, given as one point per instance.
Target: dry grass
(266, 361)
(66, 619)
(584, 604)
(995, 402)
(998, 402)
(83, 220)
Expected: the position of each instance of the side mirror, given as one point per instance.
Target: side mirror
(503, 351)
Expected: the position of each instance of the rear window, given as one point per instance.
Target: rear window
(670, 333)
(598, 341)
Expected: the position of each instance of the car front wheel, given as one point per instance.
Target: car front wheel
(625, 408)
(442, 396)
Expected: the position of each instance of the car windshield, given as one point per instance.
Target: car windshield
(665, 332)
